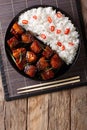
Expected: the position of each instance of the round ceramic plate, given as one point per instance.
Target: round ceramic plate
(8, 35)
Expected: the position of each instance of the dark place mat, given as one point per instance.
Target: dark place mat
(12, 80)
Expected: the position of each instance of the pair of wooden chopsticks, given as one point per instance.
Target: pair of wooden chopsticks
(44, 86)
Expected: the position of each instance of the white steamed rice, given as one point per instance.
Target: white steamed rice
(42, 26)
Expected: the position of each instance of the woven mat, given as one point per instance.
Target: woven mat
(12, 80)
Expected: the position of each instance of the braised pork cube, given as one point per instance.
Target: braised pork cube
(42, 64)
(20, 63)
(12, 42)
(31, 57)
(35, 47)
(27, 37)
(30, 70)
(56, 62)
(47, 74)
(47, 53)
(19, 53)
(16, 29)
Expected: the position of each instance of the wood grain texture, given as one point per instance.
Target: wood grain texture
(2, 115)
(49, 112)
(2, 107)
(38, 113)
(15, 115)
(59, 111)
(79, 109)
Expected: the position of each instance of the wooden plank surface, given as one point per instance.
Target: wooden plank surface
(15, 115)
(59, 111)
(79, 109)
(49, 112)
(38, 113)
(2, 107)
(64, 110)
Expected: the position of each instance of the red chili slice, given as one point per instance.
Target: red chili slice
(25, 21)
(71, 43)
(67, 31)
(52, 28)
(58, 31)
(43, 36)
(35, 17)
(59, 44)
(63, 47)
(59, 14)
(49, 19)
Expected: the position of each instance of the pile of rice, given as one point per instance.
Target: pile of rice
(41, 20)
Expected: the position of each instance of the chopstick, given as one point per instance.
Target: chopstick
(53, 84)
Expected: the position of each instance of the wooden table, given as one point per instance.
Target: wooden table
(64, 110)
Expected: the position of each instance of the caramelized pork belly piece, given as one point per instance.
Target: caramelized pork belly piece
(12, 42)
(31, 57)
(19, 53)
(35, 47)
(30, 70)
(56, 62)
(16, 29)
(27, 37)
(20, 63)
(47, 53)
(47, 74)
(42, 64)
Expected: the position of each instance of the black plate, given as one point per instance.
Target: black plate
(8, 35)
